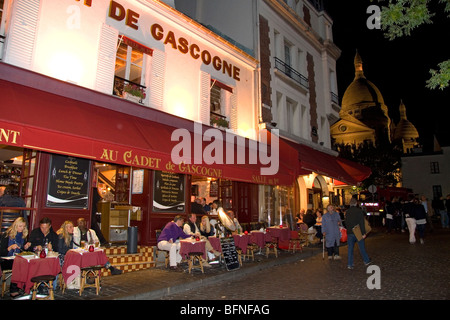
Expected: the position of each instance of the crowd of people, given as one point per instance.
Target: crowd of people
(179, 228)
(17, 239)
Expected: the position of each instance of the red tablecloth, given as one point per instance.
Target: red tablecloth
(215, 243)
(23, 270)
(260, 238)
(241, 241)
(188, 246)
(74, 261)
(282, 234)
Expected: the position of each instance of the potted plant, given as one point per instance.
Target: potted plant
(134, 92)
(219, 122)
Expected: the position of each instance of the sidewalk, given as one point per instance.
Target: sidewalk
(158, 282)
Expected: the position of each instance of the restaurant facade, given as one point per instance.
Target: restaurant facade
(139, 104)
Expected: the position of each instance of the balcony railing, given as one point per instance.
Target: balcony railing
(334, 98)
(291, 73)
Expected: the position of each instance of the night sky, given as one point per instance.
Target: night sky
(399, 68)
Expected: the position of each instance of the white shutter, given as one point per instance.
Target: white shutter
(205, 91)
(156, 90)
(234, 111)
(22, 33)
(104, 81)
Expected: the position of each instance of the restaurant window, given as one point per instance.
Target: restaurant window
(113, 182)
(130, 68)
(220, 104)
(28, 177)
(277, 205)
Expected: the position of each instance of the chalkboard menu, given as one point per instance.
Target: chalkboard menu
(229, 253)
(68, 182)
(168, 192)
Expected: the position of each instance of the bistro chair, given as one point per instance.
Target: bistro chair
(195, 256)
(62, 284)
(94, 272)
(272, 245)
(46, 280)
(304, 233)
(294, 242)
(239, 252)
(6, 274)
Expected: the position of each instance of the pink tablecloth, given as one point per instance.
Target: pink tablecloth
(187, 246)
(241, 241)
(215, 243)
(74, 261)
(23, 270)
(260, 238)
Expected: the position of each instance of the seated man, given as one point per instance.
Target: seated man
(191, 228)
(167, 240)
(82, 233)
(44, 235)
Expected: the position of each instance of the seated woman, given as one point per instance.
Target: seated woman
(206, 229)
(12, 242)
(65, 239)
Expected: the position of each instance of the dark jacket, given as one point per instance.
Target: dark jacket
(62, 247)
(418, 212)
(353, 217)
(205, 234)
(37, 238)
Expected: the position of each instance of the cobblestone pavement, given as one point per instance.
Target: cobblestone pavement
(407, 272)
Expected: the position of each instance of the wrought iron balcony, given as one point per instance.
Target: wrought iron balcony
(291, 73)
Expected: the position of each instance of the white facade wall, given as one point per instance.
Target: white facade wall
(76, 41)
(417, 173)
(239, 20)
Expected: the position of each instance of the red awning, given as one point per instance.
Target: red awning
(37, 119)
(312, 160)
(356, 170)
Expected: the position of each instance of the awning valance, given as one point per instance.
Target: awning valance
(37, 119)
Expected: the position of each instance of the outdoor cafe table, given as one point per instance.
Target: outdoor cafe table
(24, 269)
(282, 236)
(260, 238)
(76, 259)
(241, 241)
(215, 243)
(282, 233)
(191, 245)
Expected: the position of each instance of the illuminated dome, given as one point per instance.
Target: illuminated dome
(405, 130)
(361, 93)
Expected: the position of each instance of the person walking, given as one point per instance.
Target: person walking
(330, 229)
(420, 215)
(408, 211)
(355, 216)
(428, 209)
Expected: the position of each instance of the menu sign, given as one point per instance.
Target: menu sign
(68, 182)
(229, 253)
(168, 192)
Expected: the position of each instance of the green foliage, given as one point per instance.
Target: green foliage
(400, 17)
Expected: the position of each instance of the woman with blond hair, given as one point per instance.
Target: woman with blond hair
(65, 238)
(13, 241)
(206, 229)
